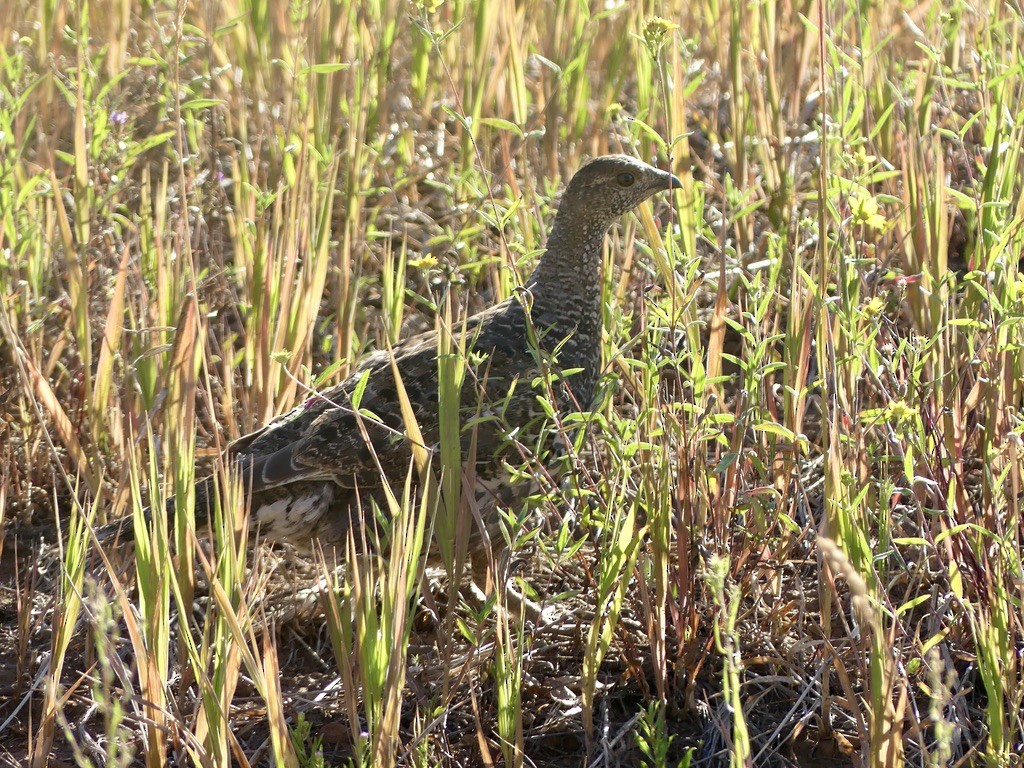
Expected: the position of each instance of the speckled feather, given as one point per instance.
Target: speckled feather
(312, 471)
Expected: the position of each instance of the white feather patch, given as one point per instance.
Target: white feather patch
(293, 515)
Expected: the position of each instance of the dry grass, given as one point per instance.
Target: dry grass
(792, 533)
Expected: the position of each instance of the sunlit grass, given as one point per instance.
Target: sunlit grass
(793, 516)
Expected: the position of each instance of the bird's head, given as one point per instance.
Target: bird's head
(607, 187)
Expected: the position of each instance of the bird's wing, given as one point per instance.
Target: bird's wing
(331, 437)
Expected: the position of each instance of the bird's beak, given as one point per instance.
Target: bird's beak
(665, 180)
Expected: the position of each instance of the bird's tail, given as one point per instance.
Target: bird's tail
(123, 531)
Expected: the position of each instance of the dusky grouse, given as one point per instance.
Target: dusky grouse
(311, 472)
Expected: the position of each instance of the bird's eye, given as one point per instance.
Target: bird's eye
(625, 179)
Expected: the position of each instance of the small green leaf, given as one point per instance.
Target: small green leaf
(503, 125)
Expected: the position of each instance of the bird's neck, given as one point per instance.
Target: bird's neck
(565, 305)
(567, 279)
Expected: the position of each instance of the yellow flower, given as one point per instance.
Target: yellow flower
(424, 262)
(874, 307)
(656, 29)
(865, 210)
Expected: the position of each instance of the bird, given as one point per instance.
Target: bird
(312, 473)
